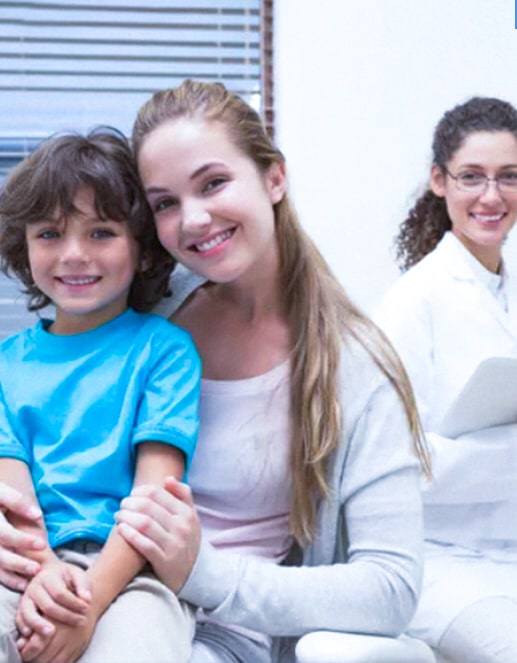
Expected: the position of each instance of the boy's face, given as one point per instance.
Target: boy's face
(84, 264)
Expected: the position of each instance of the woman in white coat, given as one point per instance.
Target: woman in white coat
(456, 306)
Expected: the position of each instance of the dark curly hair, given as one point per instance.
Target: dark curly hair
(46, 182)
(428, 220)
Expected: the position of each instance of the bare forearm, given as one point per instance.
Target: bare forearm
(119, 562)
(114, 568)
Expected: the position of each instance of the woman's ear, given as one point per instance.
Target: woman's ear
(437, 181)
(276, 182)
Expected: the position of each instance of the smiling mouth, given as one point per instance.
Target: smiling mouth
(78, 280)
(212, 243)
(489, 218)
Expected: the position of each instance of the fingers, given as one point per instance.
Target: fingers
(14, 539)
(80, 584)
(59, 604)
(12, 500)
(158, 504)
(171, 497)
(15, 570)
(140, 542)
(29, 620)
(32, 647)
(180, 490)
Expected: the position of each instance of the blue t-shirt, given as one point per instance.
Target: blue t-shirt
(75, 407)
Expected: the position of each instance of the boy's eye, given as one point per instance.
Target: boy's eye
(48, 234)
(102, 233)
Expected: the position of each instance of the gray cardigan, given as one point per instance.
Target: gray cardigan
(362, 572)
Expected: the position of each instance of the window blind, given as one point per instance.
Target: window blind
(75, 64)
(78, 63)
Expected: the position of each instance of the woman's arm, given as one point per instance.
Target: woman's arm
(374, 591)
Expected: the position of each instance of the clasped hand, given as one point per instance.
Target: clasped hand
(56, 617)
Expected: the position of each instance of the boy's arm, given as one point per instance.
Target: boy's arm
(118, 562)
(16, 474)
(115, 566)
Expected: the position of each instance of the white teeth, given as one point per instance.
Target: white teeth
(215, 241)
(488, 217)
(78, 280)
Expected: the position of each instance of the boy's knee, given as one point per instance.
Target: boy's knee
(8, 651)
(9, 601)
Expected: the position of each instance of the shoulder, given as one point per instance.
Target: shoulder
(182, 284)
(17, 343)
(426, 273)
(360, 377)
(376, 433)
(415, 294)
(163, 334)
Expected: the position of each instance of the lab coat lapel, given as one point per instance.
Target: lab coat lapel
(452, 253)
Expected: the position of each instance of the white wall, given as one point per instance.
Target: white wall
(360, 85)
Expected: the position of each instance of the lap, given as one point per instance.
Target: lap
(214, 643)
(484, 632)
(145, 624)
(453, 583)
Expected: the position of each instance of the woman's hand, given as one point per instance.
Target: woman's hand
(163, 526)
(15, 567)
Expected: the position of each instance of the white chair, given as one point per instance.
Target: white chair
(333, 647)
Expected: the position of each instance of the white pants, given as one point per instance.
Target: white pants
(468, 607)
(484, 632)
(145, 624)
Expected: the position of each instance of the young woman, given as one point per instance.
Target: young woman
(454, 308)
(303, 510)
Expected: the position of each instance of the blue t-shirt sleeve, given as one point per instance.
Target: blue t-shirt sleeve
(168, 410)
(10, 444)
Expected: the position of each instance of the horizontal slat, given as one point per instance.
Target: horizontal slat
(43, 69)
(131, 50)
(176, 6)
(131, 82)
(76, 64)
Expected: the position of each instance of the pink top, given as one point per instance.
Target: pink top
(245, 509)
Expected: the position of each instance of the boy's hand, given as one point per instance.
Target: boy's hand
(66, 645)
(59, 592)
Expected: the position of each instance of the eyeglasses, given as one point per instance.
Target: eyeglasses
(473, 182)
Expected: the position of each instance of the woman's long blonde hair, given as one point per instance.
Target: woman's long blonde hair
(320, 314)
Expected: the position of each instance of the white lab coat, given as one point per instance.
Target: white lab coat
(443, 319)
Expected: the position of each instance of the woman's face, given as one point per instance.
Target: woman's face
(481, 218)
(213, 208)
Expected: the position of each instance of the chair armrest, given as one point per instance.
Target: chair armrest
(333, 647)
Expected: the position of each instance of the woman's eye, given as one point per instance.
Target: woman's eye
(163, 204)
(472, 178)
(214, 183)
(509, 178)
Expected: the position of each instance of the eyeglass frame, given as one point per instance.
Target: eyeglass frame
(478, 188)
